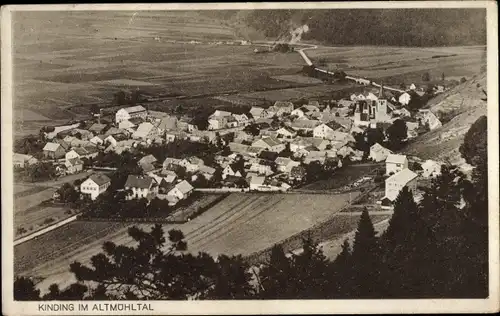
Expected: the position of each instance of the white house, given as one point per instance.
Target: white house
(98, 140)
(404, 98)
(395, 183)
(256, 112)
(95, 185)
(111, 140)
(228, 171)
(130, 112)
(285, 164)
(395, 163)
(430, 119)
(242, 119)
(379, 153)
(261, 169)
(304, 125)
(298, 112)
(181, 190)
(431, 169)
(141, 186)
(286, 132)
(53, 150)
(74, 165)
(270, 144)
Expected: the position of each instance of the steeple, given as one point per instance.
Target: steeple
(381, 93)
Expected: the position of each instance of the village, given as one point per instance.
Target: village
(274, 149)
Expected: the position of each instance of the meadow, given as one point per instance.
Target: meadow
(396, 65)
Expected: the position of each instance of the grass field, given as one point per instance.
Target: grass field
(395, 65)
(345, 176)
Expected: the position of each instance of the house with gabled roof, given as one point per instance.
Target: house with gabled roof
(286, 132)
(73, 165)
(270, 144)
(304, 125)
(130, 112)
(395, 163)
(378, 152)
(285, 164)
(141, 187)
(21, 160)
(181, 190)
(395, 183)
(145, 131)
(97, 128)
(256, 112)
(53, 150)
(167, 123)
(281, 107)
(241, 119)
(95, 185)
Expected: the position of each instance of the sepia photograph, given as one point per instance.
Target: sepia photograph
(244, 153)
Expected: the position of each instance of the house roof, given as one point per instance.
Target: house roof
(271, 141)
(74, 162)
(99, 178)
(286, 129)
(282, 161)
(305, 124)
(148, 159)
(157, 114)
(313, 103)
(134, 109)
(173, 161)
(51, 146)
(404, 176)
(143, 130)
(283, 104)
(378, 148)
(257, 180)
(256, 111)
(136, 120)
(168, 122)
(184, 186)
(142, 182)
(207, 169)
(237, 147)
(219, 113)
(394, 158)
(96, 127)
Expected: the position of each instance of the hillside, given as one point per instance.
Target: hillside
(393, 27)
(465, 101)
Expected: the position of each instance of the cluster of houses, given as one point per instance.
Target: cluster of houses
(255, 144)
(399, 174)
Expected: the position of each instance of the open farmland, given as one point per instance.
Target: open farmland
(395, 65)
(63, 63)
(239, 224)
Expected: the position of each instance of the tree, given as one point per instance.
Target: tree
(474, 148)
(364, 258)
(416, 166)
(426, 76)
(397, 133)
(375, 135)
(463, 79)
(147, 271)
(120, 98)
(67, 193)
(94, 109)
(443, 77)
(24, 290)
(252, 129)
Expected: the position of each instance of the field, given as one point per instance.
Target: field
(73, 59)
(395, 65)
(240, 224)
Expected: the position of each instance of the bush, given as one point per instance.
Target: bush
(21, 230)
(49, 220)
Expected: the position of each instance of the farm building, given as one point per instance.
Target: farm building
(395, 183)
(298, 112)
(256, 182)
(326, 130)
(95, 185)
(167, 123)
(281, 107)
(304, 125)
(285, 164)
(53, 150)
(129, 113)
(97, 128)
(395, 163)
(141, 187)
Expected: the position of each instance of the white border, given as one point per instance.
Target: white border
(270, 306)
